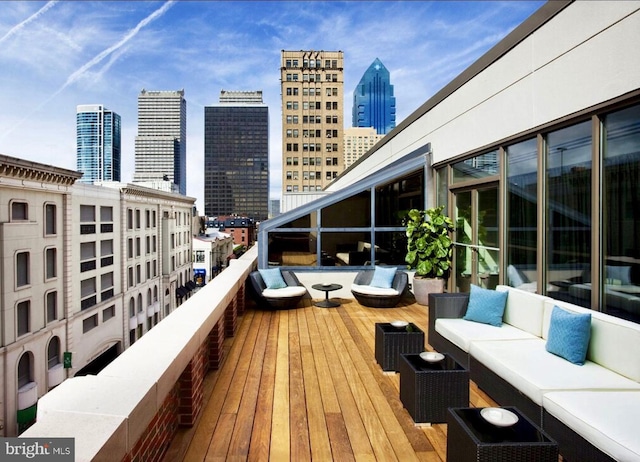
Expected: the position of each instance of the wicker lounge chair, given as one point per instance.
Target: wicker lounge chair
(284, 298)
(375, 297)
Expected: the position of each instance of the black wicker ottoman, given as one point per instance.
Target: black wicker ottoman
(471, 438)
(427, 390)
(392, 341)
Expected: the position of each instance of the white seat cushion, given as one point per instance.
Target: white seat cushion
(370, 290)
(462, 332)
(530, 368)
(607, 419)
(289, 291)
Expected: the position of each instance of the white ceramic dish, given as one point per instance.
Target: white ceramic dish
(498, 416)
(326, 284)
(431, 356)
(399, 323)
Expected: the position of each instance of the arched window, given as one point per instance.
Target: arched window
(132, 307)
(149, 301)
(53, 353)
(25, 372)
(139, 303)
(155, 293)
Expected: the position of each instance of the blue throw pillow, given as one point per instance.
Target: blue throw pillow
(569, 335)
(486, 306)
(273, 278)
(383, 276)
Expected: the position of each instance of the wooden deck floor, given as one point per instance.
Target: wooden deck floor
(304, 385)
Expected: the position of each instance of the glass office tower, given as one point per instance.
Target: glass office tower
(98, 143)
(236, 156)
(373, 102)
(161, 143)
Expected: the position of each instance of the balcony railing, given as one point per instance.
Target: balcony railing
(132, 409)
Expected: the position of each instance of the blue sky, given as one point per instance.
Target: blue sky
(59, 54)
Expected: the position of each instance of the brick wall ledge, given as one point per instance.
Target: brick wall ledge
(132, 408)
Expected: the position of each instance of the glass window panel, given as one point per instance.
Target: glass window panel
(621, 215)
(521, 213)
(87, 214)
(463, 236)
(50, 219)
(568, 178)
(292, 249)
(395, 199)
(477, 167)
(391, 247)
(355, 211)
(348, 248)
(52, 306)
(24, 316)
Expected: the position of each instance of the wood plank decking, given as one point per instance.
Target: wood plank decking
(303, 385)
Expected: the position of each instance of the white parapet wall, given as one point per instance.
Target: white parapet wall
(106, 414)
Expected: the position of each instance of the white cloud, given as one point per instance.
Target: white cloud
(55, 56)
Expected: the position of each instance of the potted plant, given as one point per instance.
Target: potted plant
(429, 250)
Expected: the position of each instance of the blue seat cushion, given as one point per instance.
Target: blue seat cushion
(383, 276)
(569, 335)
(273, 278)
(486, 306)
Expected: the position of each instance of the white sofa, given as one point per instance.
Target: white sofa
(572, 403)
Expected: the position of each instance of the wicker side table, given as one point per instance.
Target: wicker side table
(471, 438)
(392, 341)
(427, 390)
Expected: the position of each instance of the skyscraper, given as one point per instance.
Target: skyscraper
(312, 119)
(357, 141)
(97, 143)
(373, 102)
(236, 156)
(161, 143)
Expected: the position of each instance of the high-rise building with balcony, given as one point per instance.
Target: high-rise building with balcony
(373, 102)
(236, 156)
(161, 143)
(312, 119)
(97, 143)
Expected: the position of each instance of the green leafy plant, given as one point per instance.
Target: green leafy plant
(429, 244)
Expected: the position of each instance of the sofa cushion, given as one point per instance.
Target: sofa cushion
(486, 306)
(284, 292)
(461, 333)
(614, 341)
(569, 334)
(273, 278)
(524, 310)
(383, 276)
(620, 274)
(530, 368)
(371, 290)
(607, 419)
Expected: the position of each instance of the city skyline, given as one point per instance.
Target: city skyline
(52, 61)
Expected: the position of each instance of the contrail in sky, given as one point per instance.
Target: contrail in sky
(96, 60)
(15, 29)
(132, 33)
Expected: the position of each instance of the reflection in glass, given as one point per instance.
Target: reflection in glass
(395, 199)
(292, 249)
(569, 210)
(391, 247)
(349, 248)
(463, 235)
(355, 211)
(522, 224)
(480, 166)
(621, 194)
(487, 232)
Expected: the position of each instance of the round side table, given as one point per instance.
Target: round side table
(326, 303)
